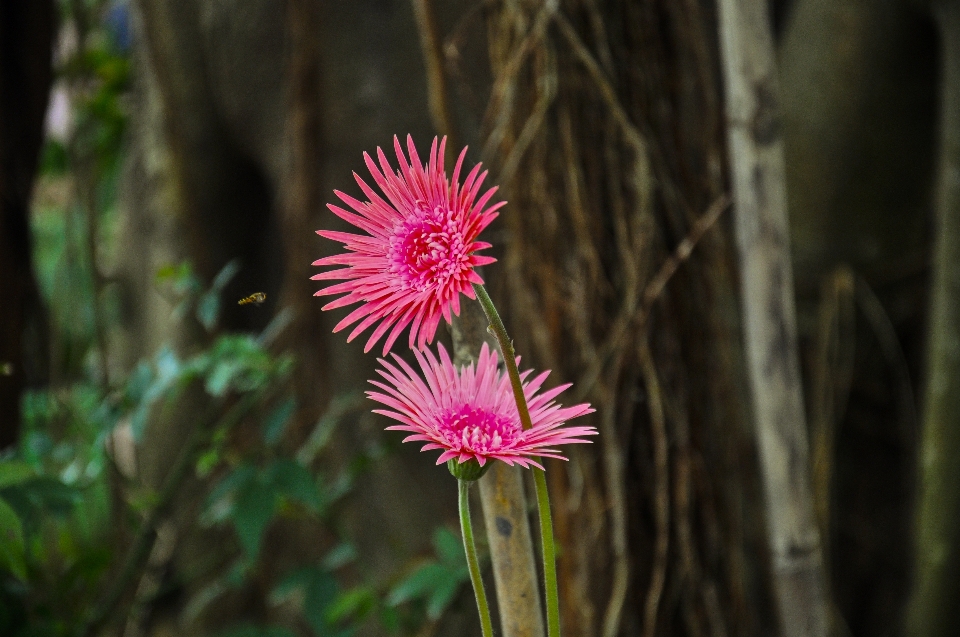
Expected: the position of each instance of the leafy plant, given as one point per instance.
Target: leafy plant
(435, 582)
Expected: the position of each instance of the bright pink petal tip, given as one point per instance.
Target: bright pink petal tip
(470, 413)
(419, 247)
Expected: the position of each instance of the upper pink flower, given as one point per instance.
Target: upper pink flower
(470, 413)
(419, 253)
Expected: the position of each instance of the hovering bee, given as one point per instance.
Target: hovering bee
(256, 298)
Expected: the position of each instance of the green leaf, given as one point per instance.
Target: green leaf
(292, 583)
(319, 595)
(341, 554)
(14, 472)
(276, 423)
(207, 461)
(168, 365)
(441, 596)
(169, 370)
(167, 272)
(225, 275)
(11, 542)
(352, 605)
(138, 382)
(319, 592)
(390, 619)
(419, 583)
(39, 497)
(180, 276)
(294, 481)
(208, 310)
(449, 548)
(218, 382)
(252, 512)
(236, 479)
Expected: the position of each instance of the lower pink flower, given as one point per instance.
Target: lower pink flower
(470, 412)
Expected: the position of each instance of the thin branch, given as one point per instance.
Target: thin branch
(436, 78)
(683, 251)
(626, 323)
(614, 479)
(661, 498)
(501, 95)
(630, 131)
(548, 92)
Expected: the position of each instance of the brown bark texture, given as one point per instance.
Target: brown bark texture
(605, 132)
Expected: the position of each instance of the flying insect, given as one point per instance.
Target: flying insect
(256, 298)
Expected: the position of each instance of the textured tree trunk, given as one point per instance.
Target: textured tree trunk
(604, 131)
(758, 177)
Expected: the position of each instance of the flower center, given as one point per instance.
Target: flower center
(478, 430)
(427, 249)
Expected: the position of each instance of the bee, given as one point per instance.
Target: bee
(256, 298)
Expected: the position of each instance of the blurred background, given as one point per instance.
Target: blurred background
(178, 464)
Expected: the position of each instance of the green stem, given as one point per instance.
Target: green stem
(549, 554)
(470, 548)
(506, 350)
(539, 479)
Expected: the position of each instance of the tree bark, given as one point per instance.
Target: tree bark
(761, 227)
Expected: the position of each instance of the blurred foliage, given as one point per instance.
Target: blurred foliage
(62, 521)
(74, 518)
(436, 582)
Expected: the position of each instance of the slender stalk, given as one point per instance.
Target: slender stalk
(470, 548)
(543, 498)
(549, 554)
(506, 349)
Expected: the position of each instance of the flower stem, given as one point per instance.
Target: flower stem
(470, 548)
(549, 554)
(539, 479)
(506, 350)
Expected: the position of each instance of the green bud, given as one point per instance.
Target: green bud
(469, 470)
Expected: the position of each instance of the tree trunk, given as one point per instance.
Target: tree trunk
(605, 132)
(757, 168)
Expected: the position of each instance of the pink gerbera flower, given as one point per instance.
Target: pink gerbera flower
(470, 412)
(419, 253)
